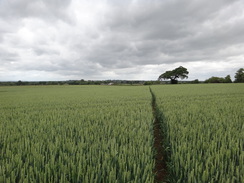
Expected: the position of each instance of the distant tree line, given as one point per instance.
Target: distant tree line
(213, 79)
(239, 78)
(75, 82)
(182, 73)
(173, 75)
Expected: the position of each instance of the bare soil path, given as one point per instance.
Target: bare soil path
(160, 161)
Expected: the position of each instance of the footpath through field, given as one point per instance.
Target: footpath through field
(160, 156)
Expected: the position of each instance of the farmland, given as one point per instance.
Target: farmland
(105, 133)
(76, 134)
(204, 128)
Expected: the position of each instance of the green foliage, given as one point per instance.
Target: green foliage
(214, 79)
(239, 77)
(227, 79)
(180, 72)
(205, 131)
(151, 83)
(195, 81)
(76, 134)
(148, 83)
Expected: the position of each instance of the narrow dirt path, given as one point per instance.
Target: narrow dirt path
(160, 162)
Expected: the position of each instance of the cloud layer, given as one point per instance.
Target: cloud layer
(132, 39)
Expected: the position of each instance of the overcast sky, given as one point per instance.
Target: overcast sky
(119, 39)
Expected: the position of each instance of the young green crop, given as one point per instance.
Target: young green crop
(204, 131)
(105, 134)
(76, 134)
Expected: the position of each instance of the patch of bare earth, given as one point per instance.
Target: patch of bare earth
(160, 160)
(160, 164)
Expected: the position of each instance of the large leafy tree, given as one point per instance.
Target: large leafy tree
(239, 76)
(180, 72)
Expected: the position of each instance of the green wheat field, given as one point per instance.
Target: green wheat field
(103, 134)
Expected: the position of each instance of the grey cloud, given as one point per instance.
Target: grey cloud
(48, 10)
(123, 38)
(174, 28)
(45, 51)
(7, 56)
